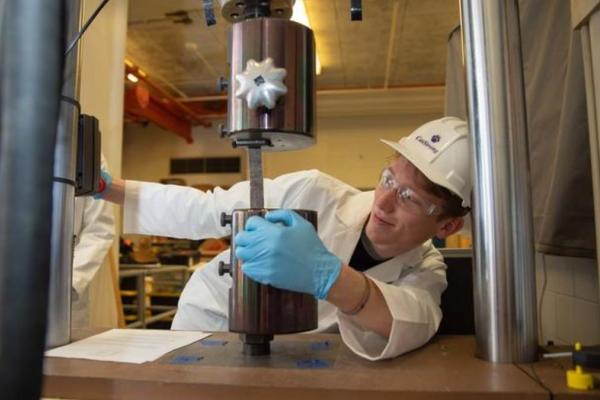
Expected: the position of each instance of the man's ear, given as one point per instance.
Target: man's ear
(449, 227)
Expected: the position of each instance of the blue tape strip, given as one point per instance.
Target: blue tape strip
(186, 360)
(320, 346)
(213, 342)
(313, 364)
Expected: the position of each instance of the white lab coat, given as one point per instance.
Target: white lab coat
(411, 283)
(94, 230)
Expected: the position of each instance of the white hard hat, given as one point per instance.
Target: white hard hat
(440, 150)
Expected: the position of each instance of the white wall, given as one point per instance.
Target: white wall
(349, 126)
(101, 94)
(347, 148)
(571, 308)
(102, 70)
(148, 150)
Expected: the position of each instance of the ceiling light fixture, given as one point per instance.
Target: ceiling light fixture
(132, 78)
(300, 15)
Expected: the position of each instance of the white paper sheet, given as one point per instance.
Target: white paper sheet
(127, 345)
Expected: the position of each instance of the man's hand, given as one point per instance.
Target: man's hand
(284, 250)
(105, 183)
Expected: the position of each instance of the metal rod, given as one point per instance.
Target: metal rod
(256, 177)
(140, 283)
(85, 27)
(127, 273)
(152, 308)
(154, 318)
(63, 194)
(504, 276)
(558, 355)
(31, 58)
(257, 9)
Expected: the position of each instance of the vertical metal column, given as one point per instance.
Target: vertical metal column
(63, 193)
(140, 284)
(31, 67)
(257, 193)
(2, 34)
(504, 276)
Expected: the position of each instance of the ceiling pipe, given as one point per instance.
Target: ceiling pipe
(141, 105)
(325, 92)
(170, 102)
(215, 106)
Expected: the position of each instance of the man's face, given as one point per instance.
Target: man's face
(394, 229)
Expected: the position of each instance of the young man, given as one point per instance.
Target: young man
(372, 262)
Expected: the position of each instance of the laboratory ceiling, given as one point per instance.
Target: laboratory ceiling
(399, 43)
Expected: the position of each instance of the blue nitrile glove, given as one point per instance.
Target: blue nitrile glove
(105, 182)
(284, 250)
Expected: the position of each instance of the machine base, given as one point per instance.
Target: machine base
(256, 345)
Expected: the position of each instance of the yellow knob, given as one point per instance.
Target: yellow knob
(577, 379)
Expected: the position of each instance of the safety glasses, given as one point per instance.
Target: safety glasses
(406, 197)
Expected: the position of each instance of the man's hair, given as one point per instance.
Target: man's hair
(452, 202)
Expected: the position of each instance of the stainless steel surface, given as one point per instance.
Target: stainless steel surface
(234, 10)
(504, 279)
(290, 125)
(63, 195)
(256, 345)
(264, 310)
(257, 197)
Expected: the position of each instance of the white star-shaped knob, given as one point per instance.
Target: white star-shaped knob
(261, 84)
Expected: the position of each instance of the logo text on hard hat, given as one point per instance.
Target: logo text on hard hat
(426, 143)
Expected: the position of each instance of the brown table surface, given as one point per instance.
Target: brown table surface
(306, 366)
